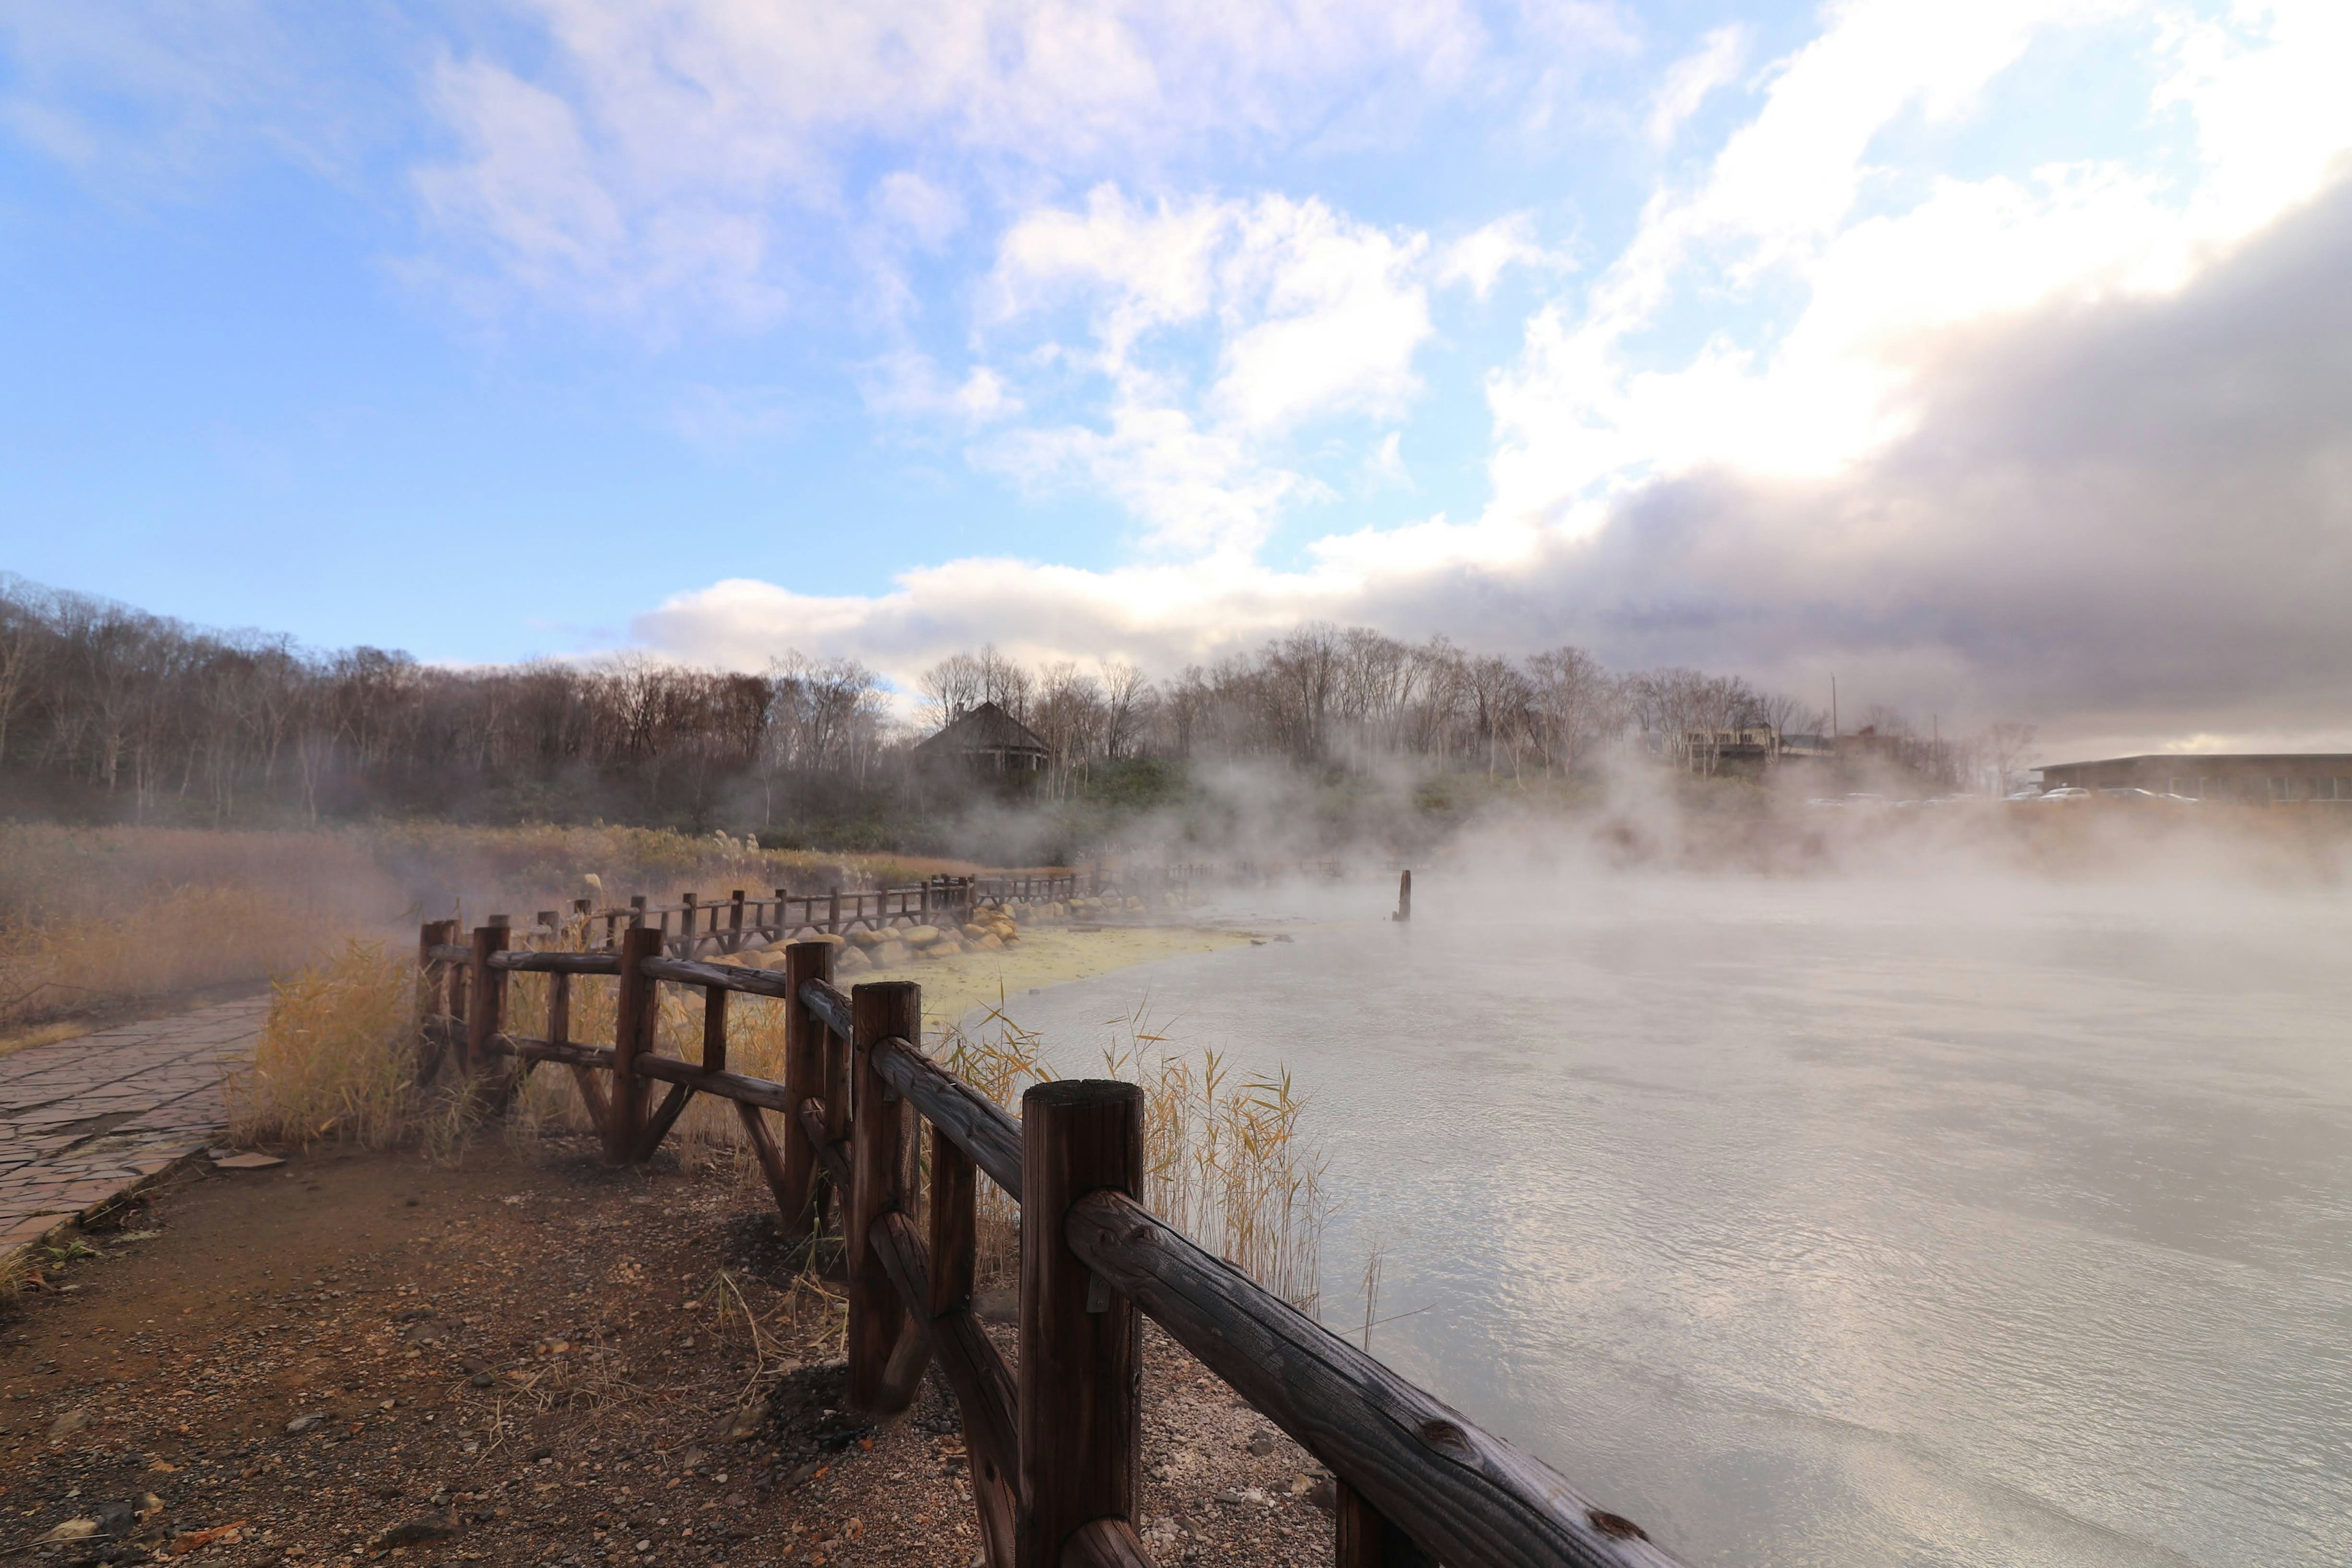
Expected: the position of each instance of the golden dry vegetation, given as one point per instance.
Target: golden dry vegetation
(1233, 1160)
(96, 921)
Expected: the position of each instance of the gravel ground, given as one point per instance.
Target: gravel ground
(525, 1358)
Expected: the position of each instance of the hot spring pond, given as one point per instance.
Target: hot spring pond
(1837, 1223)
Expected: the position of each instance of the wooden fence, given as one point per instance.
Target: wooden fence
(1056, 1441)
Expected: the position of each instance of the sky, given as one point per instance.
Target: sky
(1994, 357)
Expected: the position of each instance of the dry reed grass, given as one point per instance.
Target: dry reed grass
(95, 919)
(337, 1054)
(1230, 1160)
(1233, 1164)
(172, 942)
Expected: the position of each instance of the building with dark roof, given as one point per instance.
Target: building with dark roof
(986, 741)
(2277, 778)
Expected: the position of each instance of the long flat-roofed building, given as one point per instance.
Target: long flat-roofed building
(2280, 778)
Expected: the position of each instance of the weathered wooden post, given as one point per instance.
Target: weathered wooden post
(430, 935)
(734, 920)
(1404, 896)
(559, 1033)
(801, 1198)
(633, 1035)
(877, 1176)
(1362, 1537)
(1081, 1343)
(486, 1008)
(832, 912)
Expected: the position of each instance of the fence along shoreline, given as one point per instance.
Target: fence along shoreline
(1056, 1439)
(723, 926)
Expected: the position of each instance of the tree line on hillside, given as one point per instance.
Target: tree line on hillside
(108, 711)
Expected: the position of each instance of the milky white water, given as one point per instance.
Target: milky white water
(1838, 1223)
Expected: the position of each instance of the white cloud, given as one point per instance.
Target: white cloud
(2065, 441)
(1590, 407)
(706, 129)
(1478, 258)
(908, 383)
(1691, 80)
(1217, 329)
(925, 211)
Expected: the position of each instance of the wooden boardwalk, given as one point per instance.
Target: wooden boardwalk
(84, 1119)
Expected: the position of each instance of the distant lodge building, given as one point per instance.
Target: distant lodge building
(1735, 751)
(989, 743)
(2278, 778)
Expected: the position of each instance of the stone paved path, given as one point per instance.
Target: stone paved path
(84, 1119)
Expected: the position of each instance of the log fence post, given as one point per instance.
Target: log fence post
(1363, 1537)
(633, 1035)
(1081, 1361)
(877, 1183)
(734, 921)
(832, 912)
(802, 1198)
(486, 1004)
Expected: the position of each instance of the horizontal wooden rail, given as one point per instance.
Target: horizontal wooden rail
(985, 1131)
(1463, 1495)
(832, 1153)
(564, 1051)
(725, 976)
(523, 961)
(975, 1372)
(1055, 1451)
(735, 1086)
(830, 1004)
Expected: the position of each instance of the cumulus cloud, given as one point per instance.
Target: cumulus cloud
(2064, 443)
(666, 154)
(1480, 257)
(1692, 80)
(1214, 330)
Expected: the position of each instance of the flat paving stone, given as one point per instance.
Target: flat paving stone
(82, 1121)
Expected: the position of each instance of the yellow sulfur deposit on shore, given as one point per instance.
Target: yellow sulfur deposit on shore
(1044, 956)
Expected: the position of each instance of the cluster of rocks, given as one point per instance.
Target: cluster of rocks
(990, 929)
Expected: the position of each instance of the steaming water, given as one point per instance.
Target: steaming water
(1839, 1224)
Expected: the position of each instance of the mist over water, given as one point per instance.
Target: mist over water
(1840, 1221)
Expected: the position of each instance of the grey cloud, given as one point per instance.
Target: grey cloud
(2127, 518)
(2129, 521)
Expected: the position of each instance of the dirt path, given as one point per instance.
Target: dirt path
(83, 1118)
(528, 1360)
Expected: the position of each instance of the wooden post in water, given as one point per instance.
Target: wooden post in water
(632, 1036)
(890, 1009)
(1404, 896)
(800, 1200)
(1081, 1361)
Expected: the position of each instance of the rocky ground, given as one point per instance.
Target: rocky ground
(522, 1358)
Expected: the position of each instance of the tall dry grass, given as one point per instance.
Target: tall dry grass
(1232, 1159)
(337, 1054)
(96, 920)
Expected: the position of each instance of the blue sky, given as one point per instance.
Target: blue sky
(554, 327)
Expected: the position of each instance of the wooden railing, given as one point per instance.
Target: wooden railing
(1055, 1440)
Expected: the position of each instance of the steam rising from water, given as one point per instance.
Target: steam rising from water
(1944, 1217)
